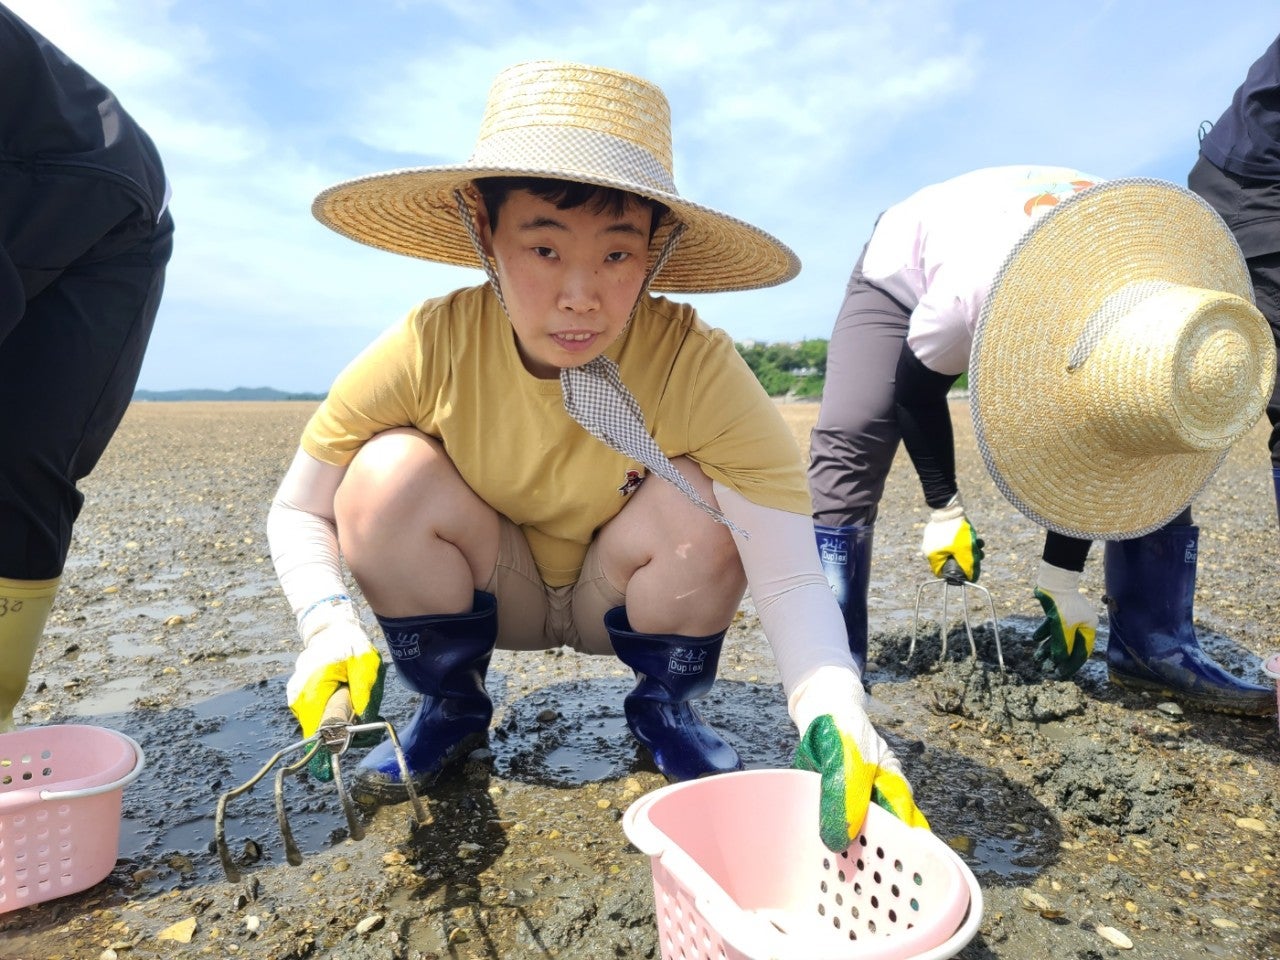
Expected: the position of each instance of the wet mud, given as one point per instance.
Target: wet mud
(1100, 822)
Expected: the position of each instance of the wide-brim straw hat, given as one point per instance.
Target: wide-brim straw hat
(1117, 357)
(562, 121)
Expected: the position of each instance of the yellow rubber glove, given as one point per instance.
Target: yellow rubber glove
(1070, 622)
(949, 535)
(337, 652)
(24, 608)
(856, 765)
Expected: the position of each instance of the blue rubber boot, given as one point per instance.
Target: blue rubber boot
(671, 671)
(444, 658)
(1275, 478)
(846, 560)
(1151, 584)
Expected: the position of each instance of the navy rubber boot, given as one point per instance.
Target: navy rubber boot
(846, 560)
(1150, 583)
(444, 658)
(670, 672)
(1275, 478)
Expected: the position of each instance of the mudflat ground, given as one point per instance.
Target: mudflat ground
(1100, 823)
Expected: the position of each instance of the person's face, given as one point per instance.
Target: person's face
(570, 278)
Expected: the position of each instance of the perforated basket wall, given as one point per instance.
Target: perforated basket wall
(740, 874)
(61, 790)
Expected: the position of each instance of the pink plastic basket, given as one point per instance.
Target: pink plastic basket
(60, 797)
(739, 873)
(1272, 669)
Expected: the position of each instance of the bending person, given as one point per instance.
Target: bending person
(905, 333)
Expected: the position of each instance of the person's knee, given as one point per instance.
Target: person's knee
(721, 564)
(381, 494)
(690, 536)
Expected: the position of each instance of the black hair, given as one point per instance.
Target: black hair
(565, 195)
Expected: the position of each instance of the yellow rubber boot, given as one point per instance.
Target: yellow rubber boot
(24, 608)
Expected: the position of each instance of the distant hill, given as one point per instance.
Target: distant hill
(239, 393)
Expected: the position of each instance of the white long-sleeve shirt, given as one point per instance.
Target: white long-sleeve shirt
(938, 251)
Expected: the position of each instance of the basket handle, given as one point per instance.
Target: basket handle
(15, 801)
(139, 762)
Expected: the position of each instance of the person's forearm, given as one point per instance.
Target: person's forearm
(1066, 553)
(304, 550)
(797, 610)
(303, 536)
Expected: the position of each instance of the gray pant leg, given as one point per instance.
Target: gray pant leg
(852, 447)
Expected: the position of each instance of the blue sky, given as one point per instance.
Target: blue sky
(804, 118)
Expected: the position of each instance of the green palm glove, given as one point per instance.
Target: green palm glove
(1070, 623)
(950, 536)
(337, 653)
(856, 765)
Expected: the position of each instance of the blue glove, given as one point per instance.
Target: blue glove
(1070, 623)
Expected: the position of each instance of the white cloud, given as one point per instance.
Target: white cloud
(130, 46)
(803, 118)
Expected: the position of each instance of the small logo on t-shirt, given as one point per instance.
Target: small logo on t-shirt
(631, 484)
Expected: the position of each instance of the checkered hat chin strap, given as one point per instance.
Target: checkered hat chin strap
(595, 396)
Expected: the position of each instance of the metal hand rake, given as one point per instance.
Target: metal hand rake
(334, 737)
(953, 576)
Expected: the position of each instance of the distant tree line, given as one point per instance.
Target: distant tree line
(784, 370)
(238, 393)
(796, 369)
(788, 369)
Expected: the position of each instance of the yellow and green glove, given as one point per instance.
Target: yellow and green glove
(337, 652)
(856, 765)
(1070, 622)
(950, 536)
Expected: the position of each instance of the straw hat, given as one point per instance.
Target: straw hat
(1116, 359)
(563, 121)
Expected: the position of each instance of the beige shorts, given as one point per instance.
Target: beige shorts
(533, 616)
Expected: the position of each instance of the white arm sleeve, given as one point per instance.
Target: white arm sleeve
(302, 533)
(797, 609)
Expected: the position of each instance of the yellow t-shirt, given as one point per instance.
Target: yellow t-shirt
(451, 370)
